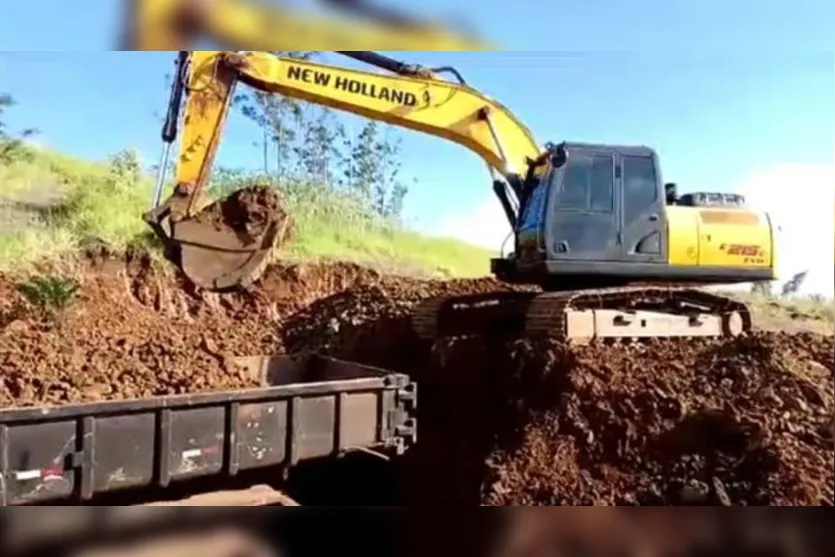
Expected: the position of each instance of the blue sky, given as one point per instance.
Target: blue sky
(734, 97)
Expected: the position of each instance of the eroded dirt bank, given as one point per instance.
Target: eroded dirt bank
(135, 332)
(502, 421)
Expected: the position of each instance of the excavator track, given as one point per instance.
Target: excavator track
(580, 316)
(476, 314)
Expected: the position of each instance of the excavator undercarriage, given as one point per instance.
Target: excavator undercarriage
(581, 316)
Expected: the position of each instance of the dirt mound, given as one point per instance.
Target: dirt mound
(507, 422)
(742, 422)
(251, 210)
(135, 331)
(501, 421)
(513, 423)
(254, 209)
(371, 323)
(253, 215)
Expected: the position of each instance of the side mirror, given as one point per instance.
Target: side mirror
(671, 191)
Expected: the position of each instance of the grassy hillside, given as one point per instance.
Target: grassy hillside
(808, 313)
(50, 204)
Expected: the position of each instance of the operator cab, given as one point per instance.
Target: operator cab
(595, 205)
(599, 217)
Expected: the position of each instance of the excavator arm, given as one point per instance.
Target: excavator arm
(214, 243)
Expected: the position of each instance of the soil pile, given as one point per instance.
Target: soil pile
(135, 332)
(509, 422)
(502, 421)
(254, 210)
(371, 323)
(737, 422)
(251, 212)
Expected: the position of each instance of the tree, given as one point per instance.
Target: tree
(792, 286)
(12, 146)
(317, 151)
(280, 117)
(125, 167)
(372, 170)
(309, 143)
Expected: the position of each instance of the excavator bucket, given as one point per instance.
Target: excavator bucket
(227, 245)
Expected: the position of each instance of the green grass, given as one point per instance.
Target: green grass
(51, 204)
(330, 225)
(798, 309)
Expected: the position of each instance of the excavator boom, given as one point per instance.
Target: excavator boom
(224, 245)
(422, 103)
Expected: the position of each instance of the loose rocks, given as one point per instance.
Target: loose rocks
(736, 422)
(502, 421)
(136, 332)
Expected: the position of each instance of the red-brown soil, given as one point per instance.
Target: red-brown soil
(742, 422)
(251, 212)
(254, 209)
(136, 332)
(501, 421)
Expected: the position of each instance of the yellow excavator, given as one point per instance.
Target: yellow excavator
(615, 251)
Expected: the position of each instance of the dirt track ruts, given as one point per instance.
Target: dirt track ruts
(503, 421)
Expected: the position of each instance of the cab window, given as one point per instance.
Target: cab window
(587, 184)
(535, 211)
(640, 186)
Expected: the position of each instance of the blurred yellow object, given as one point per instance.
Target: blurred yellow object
(251, 25)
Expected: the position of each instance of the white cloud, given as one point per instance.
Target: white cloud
(484, 225)
(800, 198)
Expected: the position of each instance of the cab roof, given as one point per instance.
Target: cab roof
(632, 150)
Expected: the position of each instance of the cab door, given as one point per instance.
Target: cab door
(583, 220)
(643, 224)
